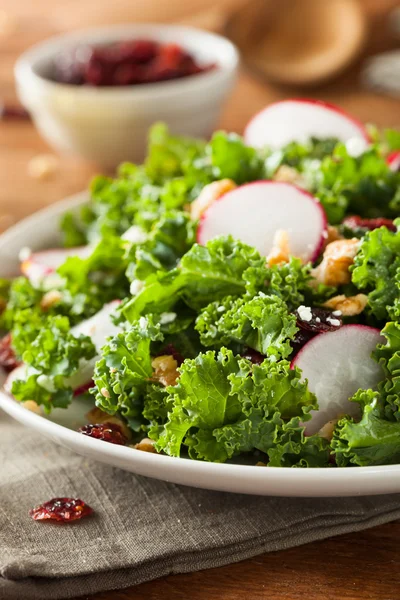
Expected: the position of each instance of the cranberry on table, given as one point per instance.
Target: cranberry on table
(64, 510)
(107, 432)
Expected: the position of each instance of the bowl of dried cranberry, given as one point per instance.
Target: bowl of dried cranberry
(96, 92)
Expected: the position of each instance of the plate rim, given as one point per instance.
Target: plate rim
(310, 482)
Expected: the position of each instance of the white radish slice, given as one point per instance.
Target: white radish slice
(254, 212)
(41, 264)
(337, 364)
(298, 120)
(98, 328)
(393, 160)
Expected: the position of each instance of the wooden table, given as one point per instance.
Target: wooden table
(360, 566)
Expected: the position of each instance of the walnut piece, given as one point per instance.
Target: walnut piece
(337, 258)
(165, 369)
(286, 174)
(349, 306)
(280, 252)
(43, 166)
(327, 430)
(146, 445)
(49, 299)
(208, 195)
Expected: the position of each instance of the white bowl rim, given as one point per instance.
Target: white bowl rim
(25, 72)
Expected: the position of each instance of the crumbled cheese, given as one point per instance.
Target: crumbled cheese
(355, 147)
(167, 317)
(317, 319)
(333, 322)
(135, 235)
(136, 286)
(24, 254)
(337, 313)
(142, 322)
(304, 313)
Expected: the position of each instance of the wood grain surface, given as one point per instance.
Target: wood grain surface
(362, 566)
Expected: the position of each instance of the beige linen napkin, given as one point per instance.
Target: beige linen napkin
(142, 529)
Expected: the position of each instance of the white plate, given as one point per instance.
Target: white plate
(40, 231)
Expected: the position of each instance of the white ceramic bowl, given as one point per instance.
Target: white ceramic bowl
(41, 230)
(109, 125)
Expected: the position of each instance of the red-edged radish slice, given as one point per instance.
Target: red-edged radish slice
(393, 160)
(40, 264)
(336, 365)
(298, 120)
(254, 212)
(98, 328)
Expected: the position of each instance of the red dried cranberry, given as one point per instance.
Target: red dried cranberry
(138, 51)
(356, 222)
(253, 356)
(82, 389)
(61, 509)
(107, 432)
(13, 111)
(300, 339)
(322, 320)
(8, 360)
(170, 350)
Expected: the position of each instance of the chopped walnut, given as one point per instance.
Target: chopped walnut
(165, 369)
(280, 252)
(349, 306)
(43, 166)
(49, 299)
(146, 445)
(96, 415)
(327, 430)
(32, 406)
(287, 174)
(337, 258)
(208, 195)
(332, 235)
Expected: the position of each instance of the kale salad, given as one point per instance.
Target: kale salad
(224, 302)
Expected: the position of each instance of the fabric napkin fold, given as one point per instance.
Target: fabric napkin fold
(142, 529)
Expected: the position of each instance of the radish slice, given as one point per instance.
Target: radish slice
(254, 212)
(40, 264)
(98, 328)
(336, 365)
(393, 160)
(298, 120)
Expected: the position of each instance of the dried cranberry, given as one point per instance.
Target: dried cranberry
(321, 321)
(300, 339)
(170, 350)
(139, 51)
(8, 360)
(253, 356)
(61, 509)
(82, 389)
(356, 222)
(107, 432)
(13, 111)
(125, 63)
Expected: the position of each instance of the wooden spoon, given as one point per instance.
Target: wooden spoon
(300, 42)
